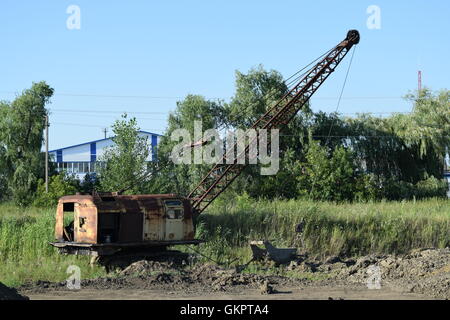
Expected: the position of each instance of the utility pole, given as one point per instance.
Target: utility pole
(46, 152)
(105, 131)
(419, 80)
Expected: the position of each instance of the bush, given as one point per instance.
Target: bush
(328, 178)
(428, 188)
(368, 188)
(59, 185)
(431, 187)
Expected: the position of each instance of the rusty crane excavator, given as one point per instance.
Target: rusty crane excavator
(106, 224)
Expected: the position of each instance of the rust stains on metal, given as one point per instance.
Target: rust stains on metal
(111, 219)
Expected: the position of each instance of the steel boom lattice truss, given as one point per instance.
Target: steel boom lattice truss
(224, 172)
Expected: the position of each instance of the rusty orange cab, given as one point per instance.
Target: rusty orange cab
(108, 223)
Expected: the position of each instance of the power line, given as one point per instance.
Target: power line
(117, 96)
(377, 112)
(162, 113)
(210, 98)
(107, 111)
(281, 135)
(358, 98)
(76, 124)
(345, 136)
(115, 116)
(115, 113)
(95, 126)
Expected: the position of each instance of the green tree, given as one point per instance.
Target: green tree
(3, 166)
(324, 156)
(328, 178)
(89, 183)
(281, 185)
(21, 136)
(429, 121)
(256, 91)
(59, 185)
(404, 149)
(124, 165)
(181, 178)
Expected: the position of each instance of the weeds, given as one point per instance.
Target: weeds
(229, 226)
(25, 253)
(328, 228)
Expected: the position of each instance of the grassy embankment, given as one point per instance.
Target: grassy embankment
(229, 225)
(329, 229)
(25, 254)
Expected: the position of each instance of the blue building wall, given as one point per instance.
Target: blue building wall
(81, 158)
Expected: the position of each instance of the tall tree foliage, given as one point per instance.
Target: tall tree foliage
(323, 156)
(256, 92)
(430, 121)
(21, 135)
(328, 177)
(181, 178)
(124, 164)
(405, 147)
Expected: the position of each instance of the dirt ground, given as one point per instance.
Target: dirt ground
(286, 293)
(421, 274)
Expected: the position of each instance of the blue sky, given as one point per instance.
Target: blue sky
(143, 56)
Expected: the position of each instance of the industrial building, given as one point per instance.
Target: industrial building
(82, 158)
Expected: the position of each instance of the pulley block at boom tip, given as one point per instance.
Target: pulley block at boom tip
(353, 36)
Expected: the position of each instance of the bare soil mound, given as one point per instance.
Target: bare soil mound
(422, 271)
(425, 271)
(160, 275)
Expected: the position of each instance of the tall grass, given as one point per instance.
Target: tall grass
(230, 223)
(329, 229)
(25, 253)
